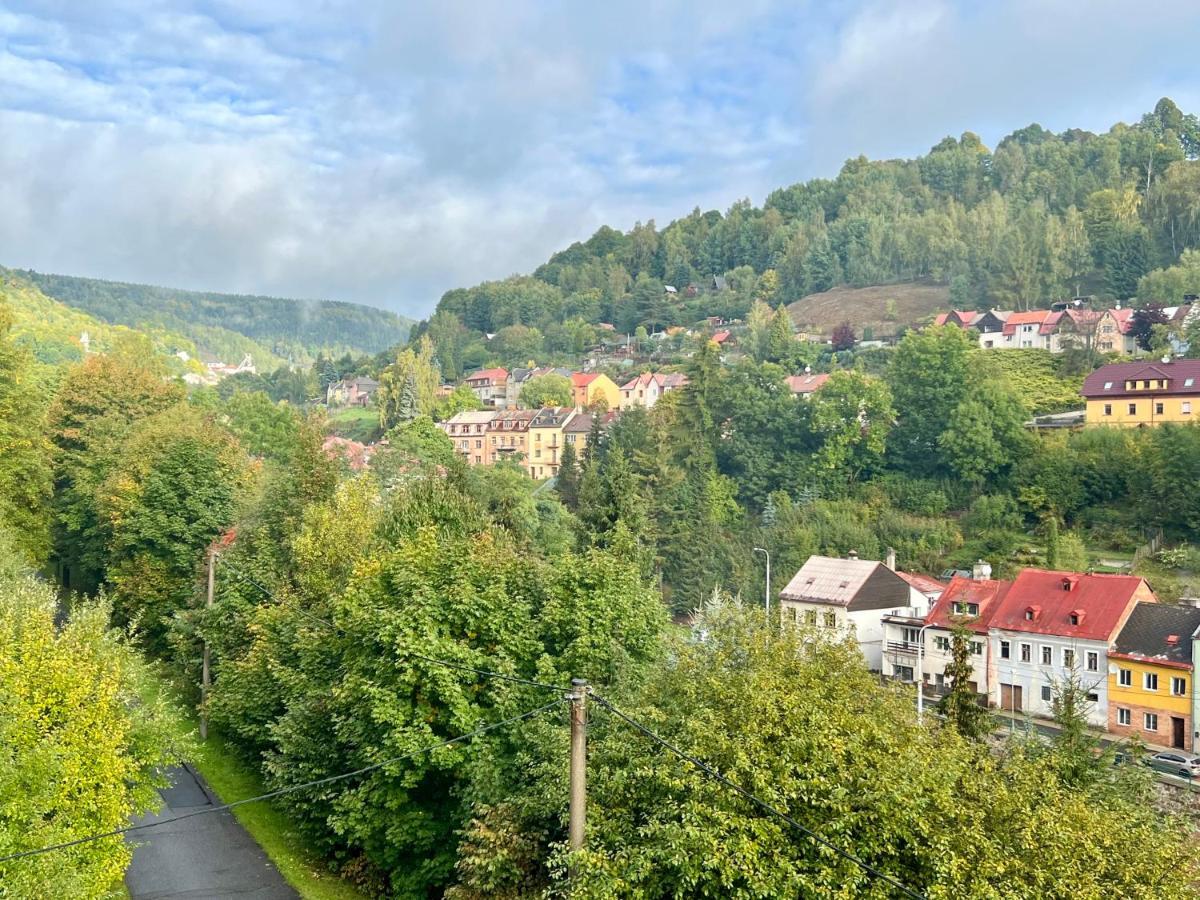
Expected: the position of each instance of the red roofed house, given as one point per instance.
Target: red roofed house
(807, 384)
(1052, 624)
(969, 601)
(1112, 332)
(1143, 393)
(722, 338)
(648, 387)
(963, 318)
(490, 386)
(589, 388)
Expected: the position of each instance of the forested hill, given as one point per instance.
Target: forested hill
(292, 329)
(1041, 217)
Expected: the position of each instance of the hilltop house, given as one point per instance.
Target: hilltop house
(490, 386)
(804, 386)
(1151, 688)
(850, 595)
(1054, 625)
(352, 392)
(1143, 393)
(647, 388)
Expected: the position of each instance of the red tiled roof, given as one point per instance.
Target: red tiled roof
(1177, 374)
(965, 316)
(583, 379)
(720, 337)
(805, 384)
(491, 375)
(1033, 317)
(923, 583)
(987, 594)
(1101, 601)
(1124, 318)
(1050, 323)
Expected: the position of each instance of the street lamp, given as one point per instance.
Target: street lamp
(920, 679)
(767, 592)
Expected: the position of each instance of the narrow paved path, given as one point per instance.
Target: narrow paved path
(201, 858)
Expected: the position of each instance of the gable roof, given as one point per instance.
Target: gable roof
(930, 587)
(853, 584)
(1123, 317)
(581, 423)
(472, 417)
(1032, 317)
(984, 593)
(720, 337)
(960, 317)
(490, 375)
(1109, 381)
(805, 384)
(1147, 635)
(583, 379)
(1100, 601)
(551, 416)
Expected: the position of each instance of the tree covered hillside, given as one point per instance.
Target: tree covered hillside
(1042, 216)
(292, 329)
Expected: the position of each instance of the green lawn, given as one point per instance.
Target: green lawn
(232, 779)
(356, 423)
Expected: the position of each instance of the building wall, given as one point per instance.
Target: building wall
(1033, 676)
(506, 444)
(1139, 701)
(1174, 409)
(545, 451)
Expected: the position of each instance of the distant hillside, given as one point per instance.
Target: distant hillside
(53, 331)
(291, 329)
(1040, 217)
(881, 308)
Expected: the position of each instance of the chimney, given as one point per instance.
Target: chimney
(891, 558)
(853, 554)
(981, 571)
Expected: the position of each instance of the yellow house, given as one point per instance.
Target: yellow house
(508, 435)
(546, 440)
(578, 431)
(1143, 393)
(589, 388)
(1151, 685)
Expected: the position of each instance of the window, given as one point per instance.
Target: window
(1047, 656)
(1068, 658)
(1029, 615)
(1133, 409)
(966, 609)
(1124, 716)
(478, 444)
(1093, 697)
(1046, 693)
(1188, 382)
(810, 617)
(1151, 721)
(942, 643)
(1158, 409)
(1178, 686)
(1185, 407)
(830, 620)
(903, 672)
(1005, 650)
(1074, 618)
(1125, 678)
(1150, 681)
(1093, 661)
(1108, 409)
(977, 648)
(795, 614)
(1108, 385)
(1026, 652)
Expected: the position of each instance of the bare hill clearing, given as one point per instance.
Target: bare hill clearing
(881, 307)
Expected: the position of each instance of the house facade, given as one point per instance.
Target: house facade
(351, 392)
(1052, 626)
(1151, 687)
(1136, 394)
(546, 440)
(647, 388)
(490, 386)
(849, 596)
(591, 389)
(508, 435)
(468, 431)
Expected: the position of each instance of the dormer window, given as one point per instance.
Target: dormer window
(1031, 613)
(1068, 584)
(1076, 617)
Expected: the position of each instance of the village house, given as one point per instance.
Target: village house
(490, 386)
(966, 601)
(351, 392)
(1113, 332)
(1151, 688)
(594, 389)
(468, 431)
(519, 377)
(850, 595)
(647, 388)
(577, 432)
(804, 386)
(1143, 393)
(546, 440)
(1051, 626)
(508, 435)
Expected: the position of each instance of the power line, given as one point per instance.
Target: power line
(488, 673)
(287, 790)
(762, 804)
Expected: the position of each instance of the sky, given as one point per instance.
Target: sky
(385, 152)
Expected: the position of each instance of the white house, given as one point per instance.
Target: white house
(849, 595)
(1051, 625)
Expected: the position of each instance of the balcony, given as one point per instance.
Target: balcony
(908, 615)
(901, 647)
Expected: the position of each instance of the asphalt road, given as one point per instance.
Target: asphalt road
(203, 857)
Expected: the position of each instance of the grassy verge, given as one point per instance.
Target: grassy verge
(233, 779)
(355, 423)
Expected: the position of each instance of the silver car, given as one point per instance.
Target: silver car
(1175, 762)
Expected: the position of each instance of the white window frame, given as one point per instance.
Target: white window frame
(1005, 650)
(1047, 655)
(1093, 661)
(1026, 653)
(1150, 721)
(1068, 657)
(1149, 681)
(1125, 677)
(1124, 716)
(1181, 684)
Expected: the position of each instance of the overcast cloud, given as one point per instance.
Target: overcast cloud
(385, 152)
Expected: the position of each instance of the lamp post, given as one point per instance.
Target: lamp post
(767, 591)
(920, 673)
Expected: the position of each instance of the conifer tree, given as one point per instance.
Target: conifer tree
(961, 707)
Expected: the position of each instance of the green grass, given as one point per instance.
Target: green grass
(233, 779)
(356, 423)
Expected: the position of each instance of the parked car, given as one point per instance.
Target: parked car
(1175, 762)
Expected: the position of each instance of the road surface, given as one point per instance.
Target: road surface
(202, 858)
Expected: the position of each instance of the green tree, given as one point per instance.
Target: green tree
(568, 478)
(417, 367)
(546, 390)
(851, 418)
(960, 705)
(929, 375)
(985, 434)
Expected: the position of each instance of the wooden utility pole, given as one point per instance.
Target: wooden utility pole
(205, 676)
(578, 804)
